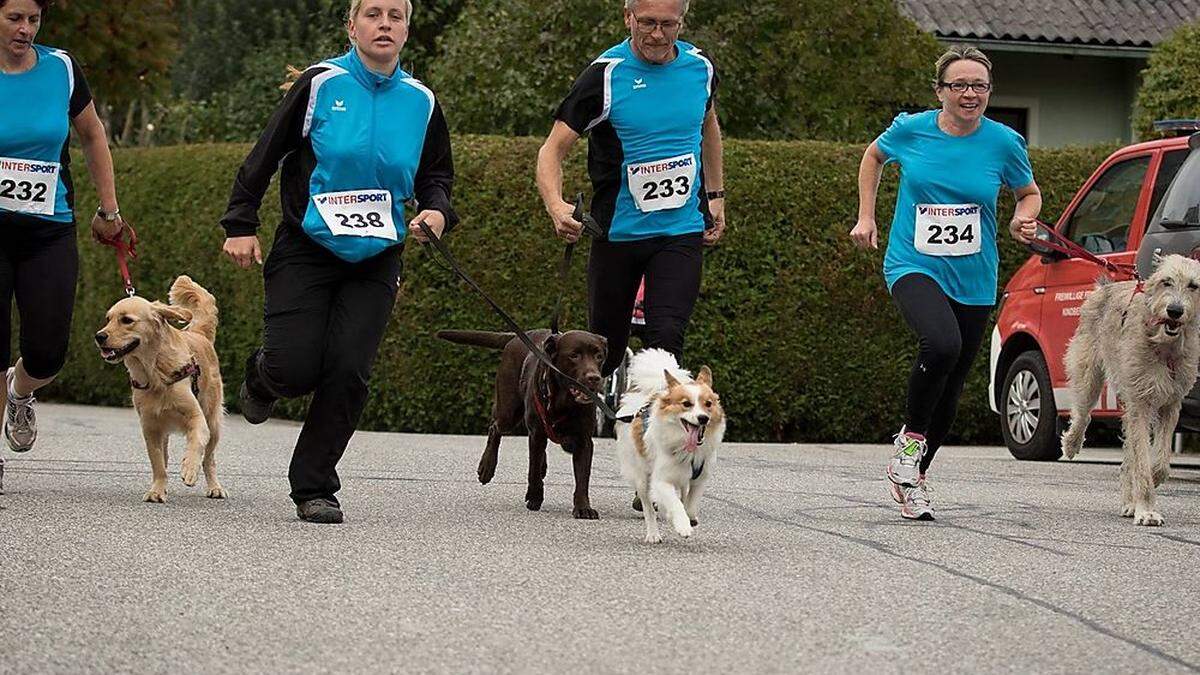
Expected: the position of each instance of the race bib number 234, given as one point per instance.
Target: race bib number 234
(948, 229)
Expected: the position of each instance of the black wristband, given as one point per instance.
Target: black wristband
(715, 194)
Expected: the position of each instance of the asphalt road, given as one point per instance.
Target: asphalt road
(800, 563)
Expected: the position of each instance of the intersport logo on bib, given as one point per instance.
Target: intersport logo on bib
(661, 166)
(25, 167)
(342, 200)
(947, 210)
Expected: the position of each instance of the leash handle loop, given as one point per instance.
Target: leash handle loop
(125, 251)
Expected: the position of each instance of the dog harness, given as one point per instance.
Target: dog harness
(191, 370)
(643, 413)
(543, 410)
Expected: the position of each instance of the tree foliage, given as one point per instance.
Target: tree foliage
(822, 69)
(1170, 82)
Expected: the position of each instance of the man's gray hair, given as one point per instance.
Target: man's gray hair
(683, 6)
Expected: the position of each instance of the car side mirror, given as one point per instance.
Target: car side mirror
(1048, 254)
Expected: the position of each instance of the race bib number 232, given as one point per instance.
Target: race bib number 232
(948, 229)
(28, 186)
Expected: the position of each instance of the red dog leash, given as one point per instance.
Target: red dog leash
(126, 251)
(1115, 271)
(1063, 245)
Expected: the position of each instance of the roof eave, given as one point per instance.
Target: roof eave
(1040, 47)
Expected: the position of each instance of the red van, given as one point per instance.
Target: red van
(1116, 211)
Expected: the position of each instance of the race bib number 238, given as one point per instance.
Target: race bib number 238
(948, 229)
(358, 213)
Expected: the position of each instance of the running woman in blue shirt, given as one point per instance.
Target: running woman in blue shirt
(654, 157)
(358, 138)
(942, 261)
(45, 95)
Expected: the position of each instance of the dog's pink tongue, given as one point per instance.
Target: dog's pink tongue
(693, 438)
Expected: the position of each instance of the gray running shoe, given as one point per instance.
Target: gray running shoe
(20, 422)
(916, 504)
(905, 466)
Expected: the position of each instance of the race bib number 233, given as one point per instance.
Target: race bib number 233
(662, 184)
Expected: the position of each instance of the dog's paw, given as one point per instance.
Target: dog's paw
(533, 504)
(1148, 518)
(189, 472)
(1127, 510)
(585, 514)
(155, 496)
(216, 492)
(486, 470)
(683, 528)
(653, 538)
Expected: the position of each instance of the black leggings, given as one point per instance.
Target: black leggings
(672, 267)
(323, 321)
(39, 265)
(949, 335)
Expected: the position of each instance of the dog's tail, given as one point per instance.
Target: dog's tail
(647, 367)
(203, 306)
(477, 338)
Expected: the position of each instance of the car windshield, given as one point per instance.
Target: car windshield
(1182, 204)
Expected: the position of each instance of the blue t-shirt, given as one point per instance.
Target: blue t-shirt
(645, 122)
(948, 190)
(39, 105)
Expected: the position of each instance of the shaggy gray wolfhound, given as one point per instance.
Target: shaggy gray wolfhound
(1146, 346)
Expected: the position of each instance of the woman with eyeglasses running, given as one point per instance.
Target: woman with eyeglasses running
(942, 261)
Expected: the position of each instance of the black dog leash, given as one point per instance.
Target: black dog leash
(590, 227)
(441, 248)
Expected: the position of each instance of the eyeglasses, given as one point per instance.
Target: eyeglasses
(647, 26)
(961, 87)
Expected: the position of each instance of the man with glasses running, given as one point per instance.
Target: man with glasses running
(654, 158)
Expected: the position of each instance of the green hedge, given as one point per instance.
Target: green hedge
(801, 335)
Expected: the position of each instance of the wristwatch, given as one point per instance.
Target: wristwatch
(110, 217)
(715, 194)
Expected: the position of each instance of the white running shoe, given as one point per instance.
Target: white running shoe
(20, 422)
(916, 505)
(905, 467)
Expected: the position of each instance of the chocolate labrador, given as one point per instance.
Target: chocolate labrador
(532, 399)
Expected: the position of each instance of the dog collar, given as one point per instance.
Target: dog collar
(191, 370)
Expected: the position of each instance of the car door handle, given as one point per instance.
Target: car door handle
(1040, 290)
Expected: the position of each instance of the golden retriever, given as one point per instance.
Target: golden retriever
(175, 376)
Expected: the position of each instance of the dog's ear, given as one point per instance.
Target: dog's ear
(550, 346)
(173, 313)
(705, 376)
(603, 347)
(671, 381)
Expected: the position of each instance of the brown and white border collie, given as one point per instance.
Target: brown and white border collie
(667, 449)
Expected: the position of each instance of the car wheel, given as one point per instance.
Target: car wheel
(1028, 416)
